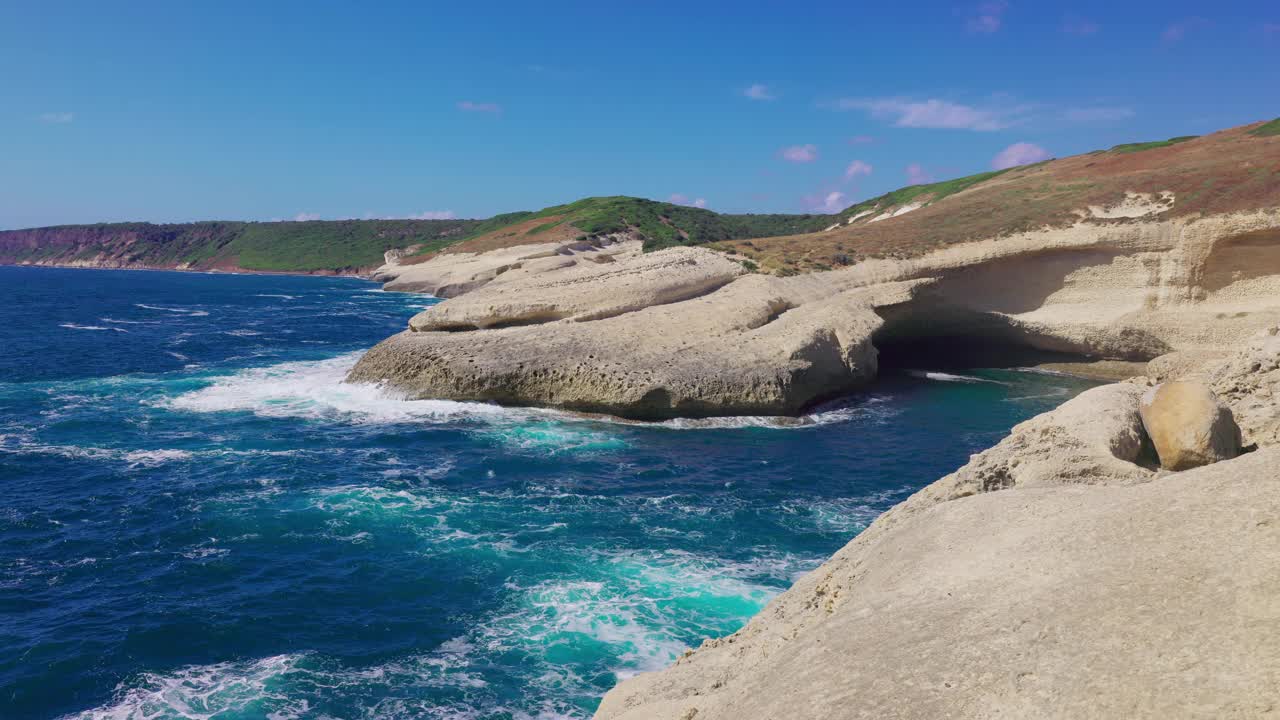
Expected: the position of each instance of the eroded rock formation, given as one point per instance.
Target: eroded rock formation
(1054, 576)
(686, 332)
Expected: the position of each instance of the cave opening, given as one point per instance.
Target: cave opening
(960, 352)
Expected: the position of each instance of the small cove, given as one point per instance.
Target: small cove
(200, 520)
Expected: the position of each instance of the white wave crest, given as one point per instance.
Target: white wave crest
(644, 607)
(203, 692)
(73, 326)
(152, 458)
(316, 389)
(948, 377)
(175, 310)
(869, 407)
(129, 322)
(135, 458)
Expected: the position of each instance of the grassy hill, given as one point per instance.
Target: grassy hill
(659, 224)
(314, 246)
(1230, 170)
(1227, 171)
(358, 245)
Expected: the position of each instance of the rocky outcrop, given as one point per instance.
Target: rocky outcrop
(449, 275)
(748, 348)
(641, 336)
(583, 291)
(1188, 425)
(1249, 382)
(1052, 577)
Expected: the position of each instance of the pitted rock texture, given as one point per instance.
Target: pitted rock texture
(684, 332)
(452, 274)
(585, 291)
(744, 349)
(1051, 577)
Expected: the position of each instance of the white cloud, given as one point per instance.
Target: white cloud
(1080, 26)
(1175, 32)
(934, 113)
(996, 114)
(679, 199)
(857, 168)
(917, 175)
(1022, 153)
(800, 153)
(758, 92)
(57, 118)
(306, 216)
(481, 107)
(987, 17)
(434, 215)
(831, 202)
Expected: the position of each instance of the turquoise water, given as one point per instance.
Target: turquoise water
(199, 520)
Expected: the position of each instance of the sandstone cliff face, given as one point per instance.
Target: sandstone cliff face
(1054, 576)
(684, 332)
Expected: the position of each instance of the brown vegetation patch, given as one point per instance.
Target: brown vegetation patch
(521, 233)
(1232, 170)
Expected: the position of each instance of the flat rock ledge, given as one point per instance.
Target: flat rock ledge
(1060, 574)
(585, 291)
(745, 349)
(601, 327)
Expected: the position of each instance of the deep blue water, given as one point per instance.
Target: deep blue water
(197, 519)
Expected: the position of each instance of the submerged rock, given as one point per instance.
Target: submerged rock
(1188, 425)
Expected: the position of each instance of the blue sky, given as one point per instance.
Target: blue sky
(175, 111)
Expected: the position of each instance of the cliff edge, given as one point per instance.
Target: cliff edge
(1120, 259)
(1057, 575)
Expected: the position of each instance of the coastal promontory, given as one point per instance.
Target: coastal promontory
(1119, 255)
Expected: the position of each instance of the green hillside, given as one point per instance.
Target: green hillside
(660, 224)
(314, 246)
(356, 245)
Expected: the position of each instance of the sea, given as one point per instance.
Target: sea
(200, 519)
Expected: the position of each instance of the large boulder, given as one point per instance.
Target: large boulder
(1188, 425)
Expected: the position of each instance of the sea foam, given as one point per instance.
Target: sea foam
(73, 326)
(203, 692)
(315, 390)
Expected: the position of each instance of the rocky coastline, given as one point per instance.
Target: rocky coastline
(1067, 572)
(690, 332)
(1116, 557)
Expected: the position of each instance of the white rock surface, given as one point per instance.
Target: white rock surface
(585, 290)
(607, 335)
(453, 274)
(1049, 578)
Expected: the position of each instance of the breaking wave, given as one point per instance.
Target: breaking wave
(189, 312)
(73, 326)
(316, 390)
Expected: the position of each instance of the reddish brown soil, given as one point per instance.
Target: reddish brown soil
(511, 235)
(1226, 171)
